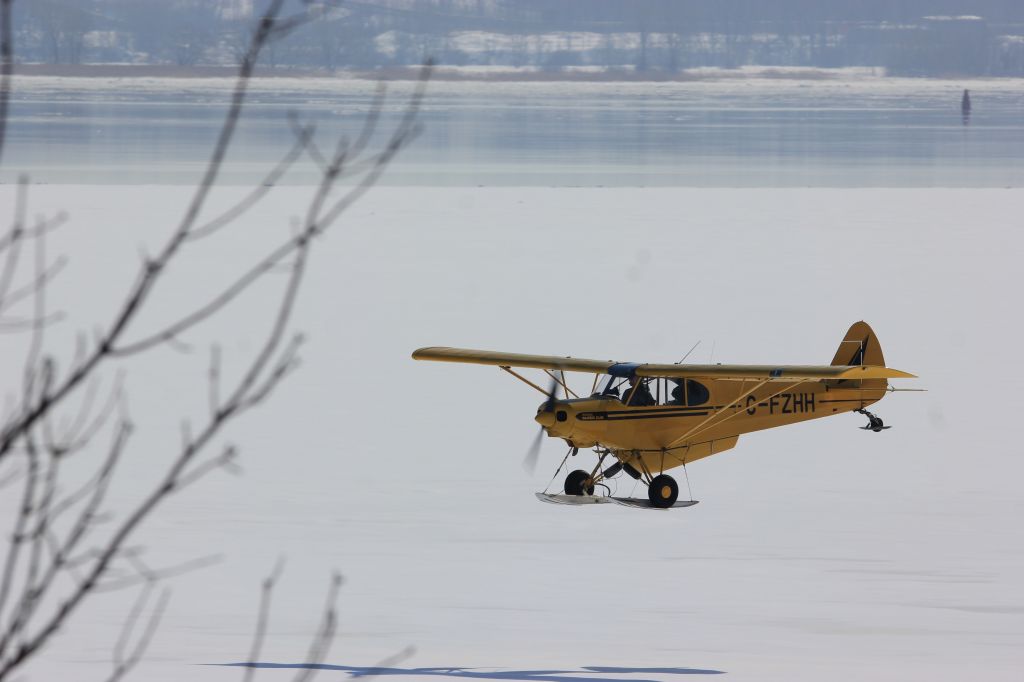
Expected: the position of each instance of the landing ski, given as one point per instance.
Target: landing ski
(634, 502)
(640, 503)
(575, 500)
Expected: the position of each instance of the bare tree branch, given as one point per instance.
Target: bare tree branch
(14, 296)
(145, 575)
(17, 541)
(315, 224)
(32, 324)
(391, 661)
(153, 268)
(42, 225)
(14, 238)
(264, 616)
(94, 489)
(303, 135)
(213, 379)
(35, 590)
(6, 66)
(124, 664)
(68, 547)
(78, 432)
(321, 644)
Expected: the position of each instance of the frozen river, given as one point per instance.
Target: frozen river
(745, 133)
(819, 551)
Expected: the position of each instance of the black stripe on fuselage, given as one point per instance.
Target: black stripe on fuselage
(623, 416)
(662, 413)
(666, 408)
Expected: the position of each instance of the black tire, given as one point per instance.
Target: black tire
(574, 483)
(663, 491)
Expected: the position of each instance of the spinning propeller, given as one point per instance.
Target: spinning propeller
(530, 461)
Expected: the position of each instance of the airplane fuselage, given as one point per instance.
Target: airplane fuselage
(669, 435)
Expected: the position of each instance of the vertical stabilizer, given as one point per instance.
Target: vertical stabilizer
(859, 347)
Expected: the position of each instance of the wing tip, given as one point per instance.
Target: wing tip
(424, 353)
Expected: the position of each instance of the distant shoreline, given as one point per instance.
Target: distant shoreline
(482, 74)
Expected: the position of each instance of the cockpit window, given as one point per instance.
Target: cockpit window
(696, 393)
(638, 393)
(659, 391)
(688, 392)
(610, 387)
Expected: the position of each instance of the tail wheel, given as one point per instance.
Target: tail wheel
(663, 491)
(576, 483)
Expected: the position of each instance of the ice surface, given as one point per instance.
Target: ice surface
(711, 81)
(818, 550)
(731, 132)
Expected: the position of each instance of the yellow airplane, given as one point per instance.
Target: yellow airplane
(650, 418)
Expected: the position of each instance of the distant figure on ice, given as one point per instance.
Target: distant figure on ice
(965, 107)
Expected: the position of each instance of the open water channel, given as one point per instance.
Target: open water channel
(871, 132)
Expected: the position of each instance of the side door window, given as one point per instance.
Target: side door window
(696, 393)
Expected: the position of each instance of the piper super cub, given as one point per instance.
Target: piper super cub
(645, 419)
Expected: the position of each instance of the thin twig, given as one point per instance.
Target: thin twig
(6, 65)
(266, 592)
(157, 574)
(80, 432)
(124, 664)
(43, 225)
(322, 639)
(85, 520)
(18, 326)
(259, 191)
(17, 540)
(14, 238)
(28, 289)
(384, 665)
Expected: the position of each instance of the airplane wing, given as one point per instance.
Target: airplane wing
(626, 369)
(487, 357)
(772, 372)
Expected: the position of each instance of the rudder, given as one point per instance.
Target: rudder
(859, 347)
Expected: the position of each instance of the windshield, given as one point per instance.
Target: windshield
(637, 392)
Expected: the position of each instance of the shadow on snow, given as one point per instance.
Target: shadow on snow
(580, 675)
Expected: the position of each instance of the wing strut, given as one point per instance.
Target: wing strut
(524, 379)
(736, 402)
(561, 382)
(704, 425)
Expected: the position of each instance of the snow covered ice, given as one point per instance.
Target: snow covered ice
(818, 550)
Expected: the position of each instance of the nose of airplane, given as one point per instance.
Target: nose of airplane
(546, 418)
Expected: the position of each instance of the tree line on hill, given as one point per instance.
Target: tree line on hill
(906, 37)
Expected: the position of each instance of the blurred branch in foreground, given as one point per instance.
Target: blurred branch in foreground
(64, 548)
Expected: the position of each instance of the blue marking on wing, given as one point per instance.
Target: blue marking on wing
(623, 370)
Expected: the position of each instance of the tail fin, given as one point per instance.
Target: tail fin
(859, 347)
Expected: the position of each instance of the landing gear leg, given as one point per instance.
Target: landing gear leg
(875, 422)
